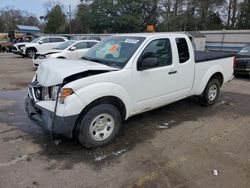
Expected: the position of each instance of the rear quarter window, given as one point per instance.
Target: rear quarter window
(183, 50)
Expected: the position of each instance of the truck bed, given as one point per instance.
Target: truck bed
(201, 56)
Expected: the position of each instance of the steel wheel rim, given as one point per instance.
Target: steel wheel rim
(212, 93)
(101, 127)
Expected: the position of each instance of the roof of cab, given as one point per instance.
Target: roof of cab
(150, 35)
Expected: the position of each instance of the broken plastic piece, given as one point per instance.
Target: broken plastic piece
(215, 172)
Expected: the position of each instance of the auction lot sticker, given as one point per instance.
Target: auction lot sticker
(132, 41)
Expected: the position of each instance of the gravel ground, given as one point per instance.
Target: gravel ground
(180, 145)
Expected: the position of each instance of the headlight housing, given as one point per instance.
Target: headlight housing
(63, 93)
(41, 56)
(53, 92)
(21, 47)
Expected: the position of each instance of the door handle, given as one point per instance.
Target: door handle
(172, 72)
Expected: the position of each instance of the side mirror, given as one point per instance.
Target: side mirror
(40, 42)
(147, 63)
(73, 48)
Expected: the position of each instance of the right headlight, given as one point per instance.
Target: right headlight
(41, 56)
(63, 93)
(21, 47)
(53, 92)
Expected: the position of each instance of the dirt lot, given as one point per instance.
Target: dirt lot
(15, 71)
(175, 146)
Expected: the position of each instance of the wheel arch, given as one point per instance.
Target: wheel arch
(219, 76)
(215, 71)
(113, 100)
(29, 48)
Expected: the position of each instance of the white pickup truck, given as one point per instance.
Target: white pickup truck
(120, 77)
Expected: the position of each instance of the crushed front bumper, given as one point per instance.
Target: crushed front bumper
(45, 119)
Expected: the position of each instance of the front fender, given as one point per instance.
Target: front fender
(95, 91)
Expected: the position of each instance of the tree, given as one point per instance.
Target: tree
(244, 17)
(10, 18)
(81, 22)
(56, 20)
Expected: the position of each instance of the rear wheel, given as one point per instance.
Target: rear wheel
(211, 93)
(99, 126)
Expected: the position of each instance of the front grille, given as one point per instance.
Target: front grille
(14, 48)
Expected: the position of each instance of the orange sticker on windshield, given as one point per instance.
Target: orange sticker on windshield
(114, 48)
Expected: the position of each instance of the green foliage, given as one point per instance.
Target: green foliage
(122, 16)
(56, 20)
(244, 18)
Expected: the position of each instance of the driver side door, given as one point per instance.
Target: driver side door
(155, 84)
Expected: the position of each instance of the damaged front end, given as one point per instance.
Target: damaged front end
(45, 102)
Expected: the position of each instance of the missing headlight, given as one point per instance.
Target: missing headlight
(53, 92)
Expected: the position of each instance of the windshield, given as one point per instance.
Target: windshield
(64, 45)
(114, 51)
(245, 50)
(35, 40)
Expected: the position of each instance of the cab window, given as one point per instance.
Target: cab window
(182, 50)
(81, 45)
(160, 50)
(56, 40)
(45, 40)
(90, 44)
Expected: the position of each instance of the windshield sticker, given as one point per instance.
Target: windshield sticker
(114, 48)
(131, 41)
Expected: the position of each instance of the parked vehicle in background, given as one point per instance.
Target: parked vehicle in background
(17, 48)
(42, 45)
(242, 65)
(5, 45)
(67, 50)
(119, 77)
(20, 43)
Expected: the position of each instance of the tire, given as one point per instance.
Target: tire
(30, 52)
(211, 93)
(99, 126)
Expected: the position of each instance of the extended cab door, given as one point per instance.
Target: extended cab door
(185, 66)
(155, 82)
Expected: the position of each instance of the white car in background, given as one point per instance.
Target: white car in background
(67, 50)
(42, 44)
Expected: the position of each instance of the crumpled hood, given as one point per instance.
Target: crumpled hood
(53, 71)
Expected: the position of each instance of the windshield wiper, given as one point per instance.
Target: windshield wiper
(103, 62)
(93, 60)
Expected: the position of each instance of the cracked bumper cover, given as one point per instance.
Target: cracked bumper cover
(44, 118)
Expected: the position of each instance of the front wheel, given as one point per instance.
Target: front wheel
(99, 126)
(211, 93)
(31, 52)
